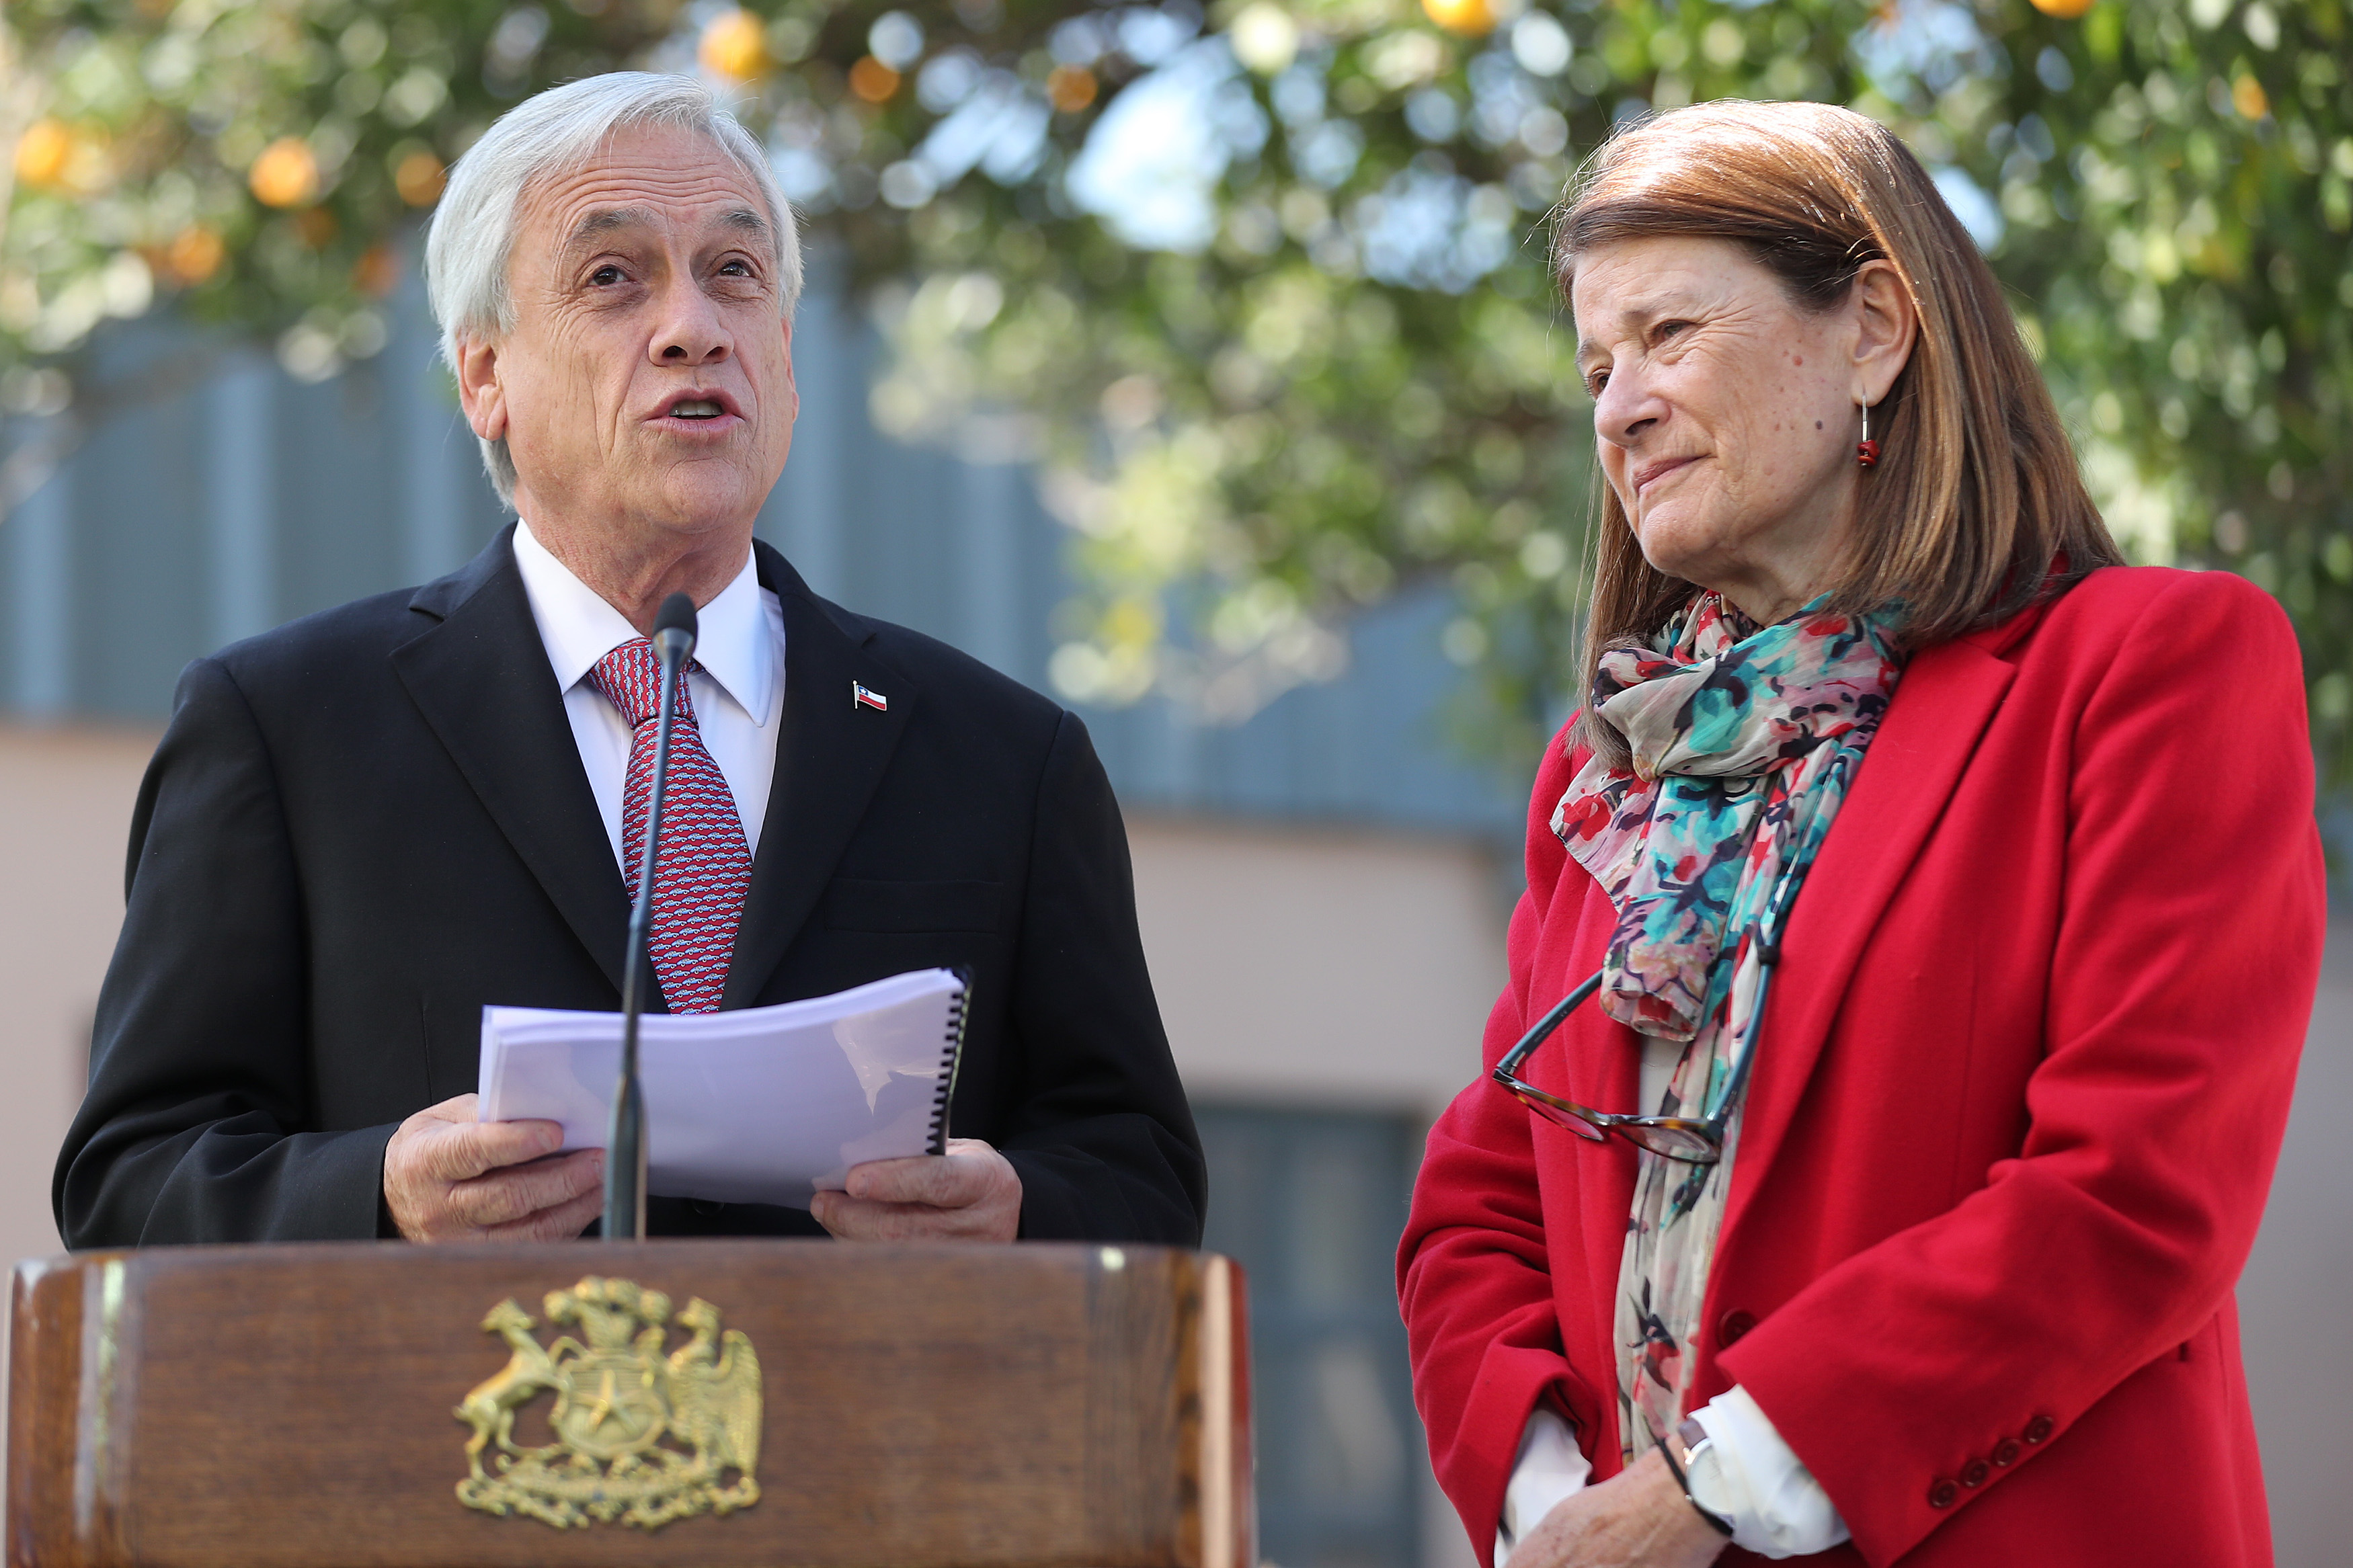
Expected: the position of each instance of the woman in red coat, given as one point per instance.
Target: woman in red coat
(1899, 1221)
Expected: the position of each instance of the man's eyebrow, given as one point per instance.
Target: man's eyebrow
(604, 220)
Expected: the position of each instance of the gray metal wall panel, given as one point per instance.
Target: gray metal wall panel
(338, 515)
(138, 604)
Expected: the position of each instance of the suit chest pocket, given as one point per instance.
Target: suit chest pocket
(852, 904)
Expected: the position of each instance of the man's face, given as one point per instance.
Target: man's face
(647, 382)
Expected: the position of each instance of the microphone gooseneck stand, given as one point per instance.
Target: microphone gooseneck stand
(625, 1139)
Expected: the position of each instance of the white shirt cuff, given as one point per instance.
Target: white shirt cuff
(1548, 1468)
(1776, 1506)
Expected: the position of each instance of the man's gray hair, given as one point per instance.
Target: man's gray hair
(555, 133)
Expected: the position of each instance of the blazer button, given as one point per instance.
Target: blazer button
(2006, 1452)
(1944, 1494)
(1733, 1327)
(705, 1206)
(1975, 1472)
(2038, 1429)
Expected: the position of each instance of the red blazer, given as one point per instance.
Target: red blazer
(2021, 1086)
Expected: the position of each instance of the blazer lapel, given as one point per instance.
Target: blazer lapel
(1940, 709)
(831, 752)
(480, 678)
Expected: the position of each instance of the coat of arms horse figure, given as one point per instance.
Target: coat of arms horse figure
(618, 1396)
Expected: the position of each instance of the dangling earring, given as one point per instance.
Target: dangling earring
(1866, 453)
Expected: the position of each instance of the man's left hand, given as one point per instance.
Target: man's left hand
(1637, 1519)
(970, 1194)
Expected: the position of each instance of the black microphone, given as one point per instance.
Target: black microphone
(625, 1139)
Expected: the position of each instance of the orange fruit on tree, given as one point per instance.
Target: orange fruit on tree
(194, 253)
(1462, 15)
(377, 271)
(2067, 9)
(419, 177)
(1070, 87)
(733, 46)
(42, 152)
(286, 175)
(872, 81)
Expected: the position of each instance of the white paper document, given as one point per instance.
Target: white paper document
(763, 1105)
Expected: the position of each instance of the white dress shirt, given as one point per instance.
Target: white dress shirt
(1775, 1507)
(738, 688)
(1757, 1482)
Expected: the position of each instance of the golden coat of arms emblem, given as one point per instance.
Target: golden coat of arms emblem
(643, 1435)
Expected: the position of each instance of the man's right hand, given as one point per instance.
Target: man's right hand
(447, 1177)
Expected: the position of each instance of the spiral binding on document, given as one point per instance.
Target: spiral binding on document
(959, 1008)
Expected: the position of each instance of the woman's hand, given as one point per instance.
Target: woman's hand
(1637, 1519)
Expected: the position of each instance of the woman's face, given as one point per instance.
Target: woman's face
(1727, 414)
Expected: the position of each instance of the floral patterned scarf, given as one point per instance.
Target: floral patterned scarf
(1744, 741)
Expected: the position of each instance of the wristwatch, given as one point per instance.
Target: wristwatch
(1691, 1454)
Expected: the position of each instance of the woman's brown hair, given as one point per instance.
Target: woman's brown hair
(1976, 508)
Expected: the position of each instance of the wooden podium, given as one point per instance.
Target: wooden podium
(647, 1402)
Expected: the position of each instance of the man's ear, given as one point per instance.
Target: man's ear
(480, 393)
(1887, 324)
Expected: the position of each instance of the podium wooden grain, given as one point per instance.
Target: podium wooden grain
(924, 1406)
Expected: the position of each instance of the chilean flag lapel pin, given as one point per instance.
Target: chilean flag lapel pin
(860, 696)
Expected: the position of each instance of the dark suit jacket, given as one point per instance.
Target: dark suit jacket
(363, 827)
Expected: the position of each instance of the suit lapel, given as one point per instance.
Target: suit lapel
(831, 752)
(481, 679)
(1940, 709)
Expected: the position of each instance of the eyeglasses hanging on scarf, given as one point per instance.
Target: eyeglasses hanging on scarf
(1694, 1141)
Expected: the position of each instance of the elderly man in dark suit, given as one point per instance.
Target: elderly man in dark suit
(360, 828)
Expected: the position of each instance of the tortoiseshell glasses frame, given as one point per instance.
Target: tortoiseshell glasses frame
(1694, 1141)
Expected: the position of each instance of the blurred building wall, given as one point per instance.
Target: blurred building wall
(65, 804)
(2293, 1318)
(1330, 966)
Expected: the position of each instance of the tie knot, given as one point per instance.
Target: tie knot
(630, 678)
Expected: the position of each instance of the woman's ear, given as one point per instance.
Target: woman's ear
(479, 391)
(1887, 323)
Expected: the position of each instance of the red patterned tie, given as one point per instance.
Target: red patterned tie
(705, 867)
